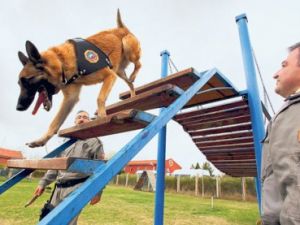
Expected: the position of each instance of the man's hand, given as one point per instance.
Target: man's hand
(95, 200)
(39, 191)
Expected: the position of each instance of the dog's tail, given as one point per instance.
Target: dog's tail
(119, 21)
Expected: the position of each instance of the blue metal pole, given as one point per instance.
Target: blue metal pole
(253, 97)
(161, 155)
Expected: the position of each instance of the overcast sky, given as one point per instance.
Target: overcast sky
(198, 33)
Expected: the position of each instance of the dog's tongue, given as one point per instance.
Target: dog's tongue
(38, 103)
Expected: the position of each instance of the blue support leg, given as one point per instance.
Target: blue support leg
(161, 156)
(253, 98)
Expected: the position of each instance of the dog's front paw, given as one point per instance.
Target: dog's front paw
(38, 143)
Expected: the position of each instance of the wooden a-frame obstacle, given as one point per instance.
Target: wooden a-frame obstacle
(224, 132)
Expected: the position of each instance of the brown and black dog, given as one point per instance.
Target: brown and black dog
(46, 72)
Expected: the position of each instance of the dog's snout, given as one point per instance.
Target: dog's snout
(24, 102)
(21, 107)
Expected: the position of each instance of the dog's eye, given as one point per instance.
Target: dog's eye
(26, 81)
(39, 66)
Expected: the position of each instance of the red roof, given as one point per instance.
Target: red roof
(142, 162)
(10, 154)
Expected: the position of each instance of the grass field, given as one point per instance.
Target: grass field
(122, 205)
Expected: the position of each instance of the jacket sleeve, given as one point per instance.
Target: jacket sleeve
(97, 149)
(48, 178)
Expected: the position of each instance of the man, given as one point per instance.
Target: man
(67, 181)
(281, 149)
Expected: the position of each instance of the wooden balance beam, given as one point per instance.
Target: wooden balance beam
(71, 164)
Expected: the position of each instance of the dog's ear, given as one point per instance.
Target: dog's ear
(23, 58)
(33, 53)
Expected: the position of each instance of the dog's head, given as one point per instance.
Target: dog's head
(34, 78)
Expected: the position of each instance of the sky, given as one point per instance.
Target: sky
(198, 33)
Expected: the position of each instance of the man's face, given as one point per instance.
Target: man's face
(288, 77)
(82, 117)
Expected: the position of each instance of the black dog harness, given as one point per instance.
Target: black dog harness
(89, 59)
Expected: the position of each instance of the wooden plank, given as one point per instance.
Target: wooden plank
(218, 123)
(220, 152)
(182, 79)
(230, 157)
(112, 124)
(158, 97)
(222, 114)
(230, 154)
(239, 127)
(208, 97)
(233, 162)
(42, 164)
(238, 170)
(224, 136)
(183, 115)
(231, 150)
(236, 166)
(246, 173)
(242, 174)
(217, 142)
(215, 89)
(229, 147)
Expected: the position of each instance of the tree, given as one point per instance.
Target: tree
(197, 166)
(207, 166)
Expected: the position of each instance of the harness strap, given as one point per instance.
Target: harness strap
(89, 59)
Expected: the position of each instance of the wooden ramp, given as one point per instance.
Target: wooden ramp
(156, 97)
(217, 88)
(123, 121)
(224, 134)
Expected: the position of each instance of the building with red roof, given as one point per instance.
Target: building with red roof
(7, 154)
(133, 166)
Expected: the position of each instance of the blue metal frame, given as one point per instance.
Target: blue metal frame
(72, 205)
(85, 166)
(253, 97)
(24, 173)
(161, 155)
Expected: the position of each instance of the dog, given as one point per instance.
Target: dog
(57, 68)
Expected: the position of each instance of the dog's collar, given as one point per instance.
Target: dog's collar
(89, 59)
(71, 80)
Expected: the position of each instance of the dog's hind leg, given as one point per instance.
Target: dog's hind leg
(123, 76)
(107, 85)
(132, 51)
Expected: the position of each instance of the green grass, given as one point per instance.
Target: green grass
(120, 205)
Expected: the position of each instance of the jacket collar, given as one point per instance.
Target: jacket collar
(292, 99)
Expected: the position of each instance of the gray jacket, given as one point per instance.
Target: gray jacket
(90, 149)
(281, 166)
